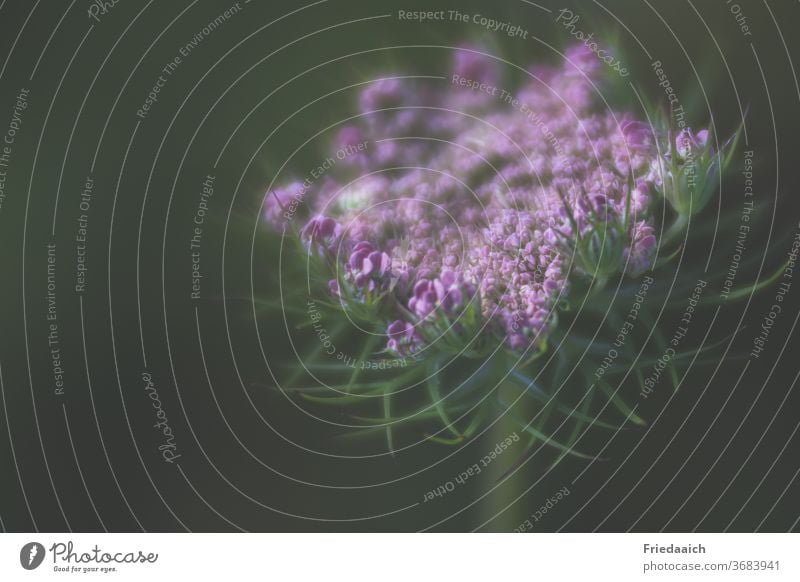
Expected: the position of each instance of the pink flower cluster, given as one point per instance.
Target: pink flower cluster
(467, 199)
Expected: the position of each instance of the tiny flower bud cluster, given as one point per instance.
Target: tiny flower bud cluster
(472, 209)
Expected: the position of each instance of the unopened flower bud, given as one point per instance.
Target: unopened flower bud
(689, 144)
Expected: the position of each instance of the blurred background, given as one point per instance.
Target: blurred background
(250, 458)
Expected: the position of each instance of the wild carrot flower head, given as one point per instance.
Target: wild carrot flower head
(470, 209)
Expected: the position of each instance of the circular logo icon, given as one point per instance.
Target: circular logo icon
(31, 555)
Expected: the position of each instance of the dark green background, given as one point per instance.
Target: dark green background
(59, 493)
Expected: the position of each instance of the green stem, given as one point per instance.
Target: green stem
(493, 507)
(676, 229)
